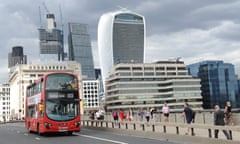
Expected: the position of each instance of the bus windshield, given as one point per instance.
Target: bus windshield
(62, 99)
(61, 82)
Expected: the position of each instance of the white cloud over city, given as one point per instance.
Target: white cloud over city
(193, 30)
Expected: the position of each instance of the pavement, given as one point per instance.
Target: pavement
(178, 139)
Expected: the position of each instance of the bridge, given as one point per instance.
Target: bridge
(174, 130)
(130, 132)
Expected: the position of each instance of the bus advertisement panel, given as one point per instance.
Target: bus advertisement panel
(53, 104)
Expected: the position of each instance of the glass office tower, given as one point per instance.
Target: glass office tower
(218, 83)
(80, 48)
(121, 39)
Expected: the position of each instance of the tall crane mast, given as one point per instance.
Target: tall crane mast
(44, 5)
(40, 16)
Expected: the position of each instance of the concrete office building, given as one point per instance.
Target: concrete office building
(219, 83)
(4, 103)
(121, 39)
(80, 49)
(91, 97)
(24, 74)
(51, 41)
(16, 56)
(150, 85)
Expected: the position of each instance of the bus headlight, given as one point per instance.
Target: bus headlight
(47, 125)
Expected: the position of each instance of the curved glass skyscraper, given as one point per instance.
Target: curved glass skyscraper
(121, 39)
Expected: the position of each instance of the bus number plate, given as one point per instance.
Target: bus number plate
(62, 129)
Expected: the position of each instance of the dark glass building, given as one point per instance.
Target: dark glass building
(219, 83)
(16, 57)
(80, 48)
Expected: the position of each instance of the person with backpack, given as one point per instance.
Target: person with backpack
(188, 114)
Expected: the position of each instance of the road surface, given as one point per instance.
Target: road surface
(16, 133)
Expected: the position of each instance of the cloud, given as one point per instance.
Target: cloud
(227, 30)
(193, 30)
(194, 45)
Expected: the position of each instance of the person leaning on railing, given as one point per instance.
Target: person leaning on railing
(228, 113)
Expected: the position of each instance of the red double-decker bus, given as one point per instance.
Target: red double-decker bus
(53, 104)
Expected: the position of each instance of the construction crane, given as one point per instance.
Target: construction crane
(60, 10)
(40, 13)
(40, 16)
(44, 5)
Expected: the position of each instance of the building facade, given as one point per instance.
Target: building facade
(4, 103)
(51, 41)
(151, 85)
(91, 97)
(16, 56)
(23, 75)
(121, 39)
(219, 83)
(80, 49)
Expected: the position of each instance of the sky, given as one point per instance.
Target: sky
(195, 30)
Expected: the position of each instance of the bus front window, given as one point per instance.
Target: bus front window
(62, 97)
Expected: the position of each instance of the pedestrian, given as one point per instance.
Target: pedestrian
(147, 116)
(130, 114)
(219, 121)
(228, 113)
(165, 111)
(141, 115)
(188, 113)
(101, 114)
(92, 115)
(121, 116)
(98, 115)
(115, 116)
(153, 114)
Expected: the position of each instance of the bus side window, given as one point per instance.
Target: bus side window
(32, 113)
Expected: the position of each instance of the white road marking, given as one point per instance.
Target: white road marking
(37, 138)
(102, 139)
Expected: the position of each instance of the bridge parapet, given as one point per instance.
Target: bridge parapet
(198, 130)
